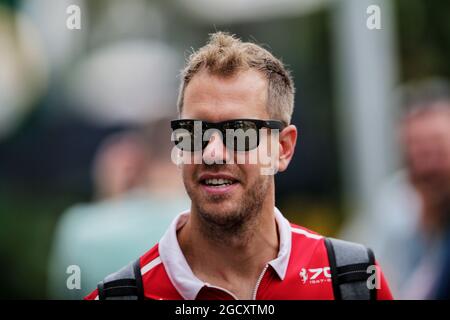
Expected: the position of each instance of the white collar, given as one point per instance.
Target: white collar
(181, 275)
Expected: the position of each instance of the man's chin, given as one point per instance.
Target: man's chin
(220, 207)
(220, 213)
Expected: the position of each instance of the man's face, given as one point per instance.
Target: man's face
(212, 98)
(426, 138)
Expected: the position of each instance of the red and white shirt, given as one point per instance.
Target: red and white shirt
(300, 271)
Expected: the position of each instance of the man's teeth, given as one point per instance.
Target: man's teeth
(218, 182)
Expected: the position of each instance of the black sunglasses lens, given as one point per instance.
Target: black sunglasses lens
(244, 135)
(185, 136)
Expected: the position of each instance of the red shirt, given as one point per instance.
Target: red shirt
(300, 271)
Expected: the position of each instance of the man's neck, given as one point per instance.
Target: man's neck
(236, 263)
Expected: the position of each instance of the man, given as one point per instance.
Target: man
(415, 244)
(233, 243)
(138, 194)
(426, 136)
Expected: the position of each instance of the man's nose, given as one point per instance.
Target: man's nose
(215, 151)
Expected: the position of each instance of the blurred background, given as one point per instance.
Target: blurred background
(85, 181)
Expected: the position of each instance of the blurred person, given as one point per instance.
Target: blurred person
(119, 164)
(426, 137)
(138, 191)
(234, 243)
(409, 226)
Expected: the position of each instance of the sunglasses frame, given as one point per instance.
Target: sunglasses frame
(220, 126)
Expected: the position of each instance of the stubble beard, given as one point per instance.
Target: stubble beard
(235, 226)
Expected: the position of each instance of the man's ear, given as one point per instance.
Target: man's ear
(287, 141)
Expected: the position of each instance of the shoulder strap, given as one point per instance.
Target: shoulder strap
(348, 267)
(125, 284)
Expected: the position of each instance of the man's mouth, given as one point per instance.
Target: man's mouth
(218, 183)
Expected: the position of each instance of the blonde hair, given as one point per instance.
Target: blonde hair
(225, 55)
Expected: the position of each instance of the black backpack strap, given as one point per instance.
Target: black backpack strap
(348, 267)
(125, 284)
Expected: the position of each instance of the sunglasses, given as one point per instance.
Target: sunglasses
(240, 134)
